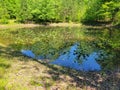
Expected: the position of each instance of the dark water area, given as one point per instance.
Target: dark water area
(80, 48)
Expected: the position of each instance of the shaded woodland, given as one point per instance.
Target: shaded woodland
(85, 11)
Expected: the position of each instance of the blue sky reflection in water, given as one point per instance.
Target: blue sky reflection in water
(69, 60)
(28, 53)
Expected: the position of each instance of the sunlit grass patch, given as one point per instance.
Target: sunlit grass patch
(4, 65)
(3, 83)
(16, 87)
(36, 83)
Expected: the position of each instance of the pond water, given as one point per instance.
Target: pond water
(69, 60)
(85, 49)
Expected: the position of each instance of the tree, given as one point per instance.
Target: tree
(3, 12)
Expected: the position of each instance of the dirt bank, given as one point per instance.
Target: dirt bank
(3, 26)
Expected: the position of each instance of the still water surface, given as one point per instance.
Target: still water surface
(86, 49)
(69, 60)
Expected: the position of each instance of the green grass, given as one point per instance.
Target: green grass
(4, 67)
(8, 22)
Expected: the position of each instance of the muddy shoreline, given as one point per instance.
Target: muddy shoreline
(6, 26)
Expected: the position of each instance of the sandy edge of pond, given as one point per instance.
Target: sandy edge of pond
(3, 26)
(72, 24)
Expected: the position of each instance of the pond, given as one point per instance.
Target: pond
(85, 49)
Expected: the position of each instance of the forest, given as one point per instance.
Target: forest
(37, 11)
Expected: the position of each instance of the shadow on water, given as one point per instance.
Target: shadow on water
(7, 51)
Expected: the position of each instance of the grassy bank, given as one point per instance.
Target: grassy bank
(72, 24)
(21, 73)
(15, 25)
(8, 26)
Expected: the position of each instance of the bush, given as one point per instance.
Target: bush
(4, 21)
(117, 18)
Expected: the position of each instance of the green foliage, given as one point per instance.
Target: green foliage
(60, 10)
(102, 10)
(3, 12)
(108, 10)
(91, 10)
(116, 19)
(24, 11)
(4, 21)
(67, 10)
(44, 10)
